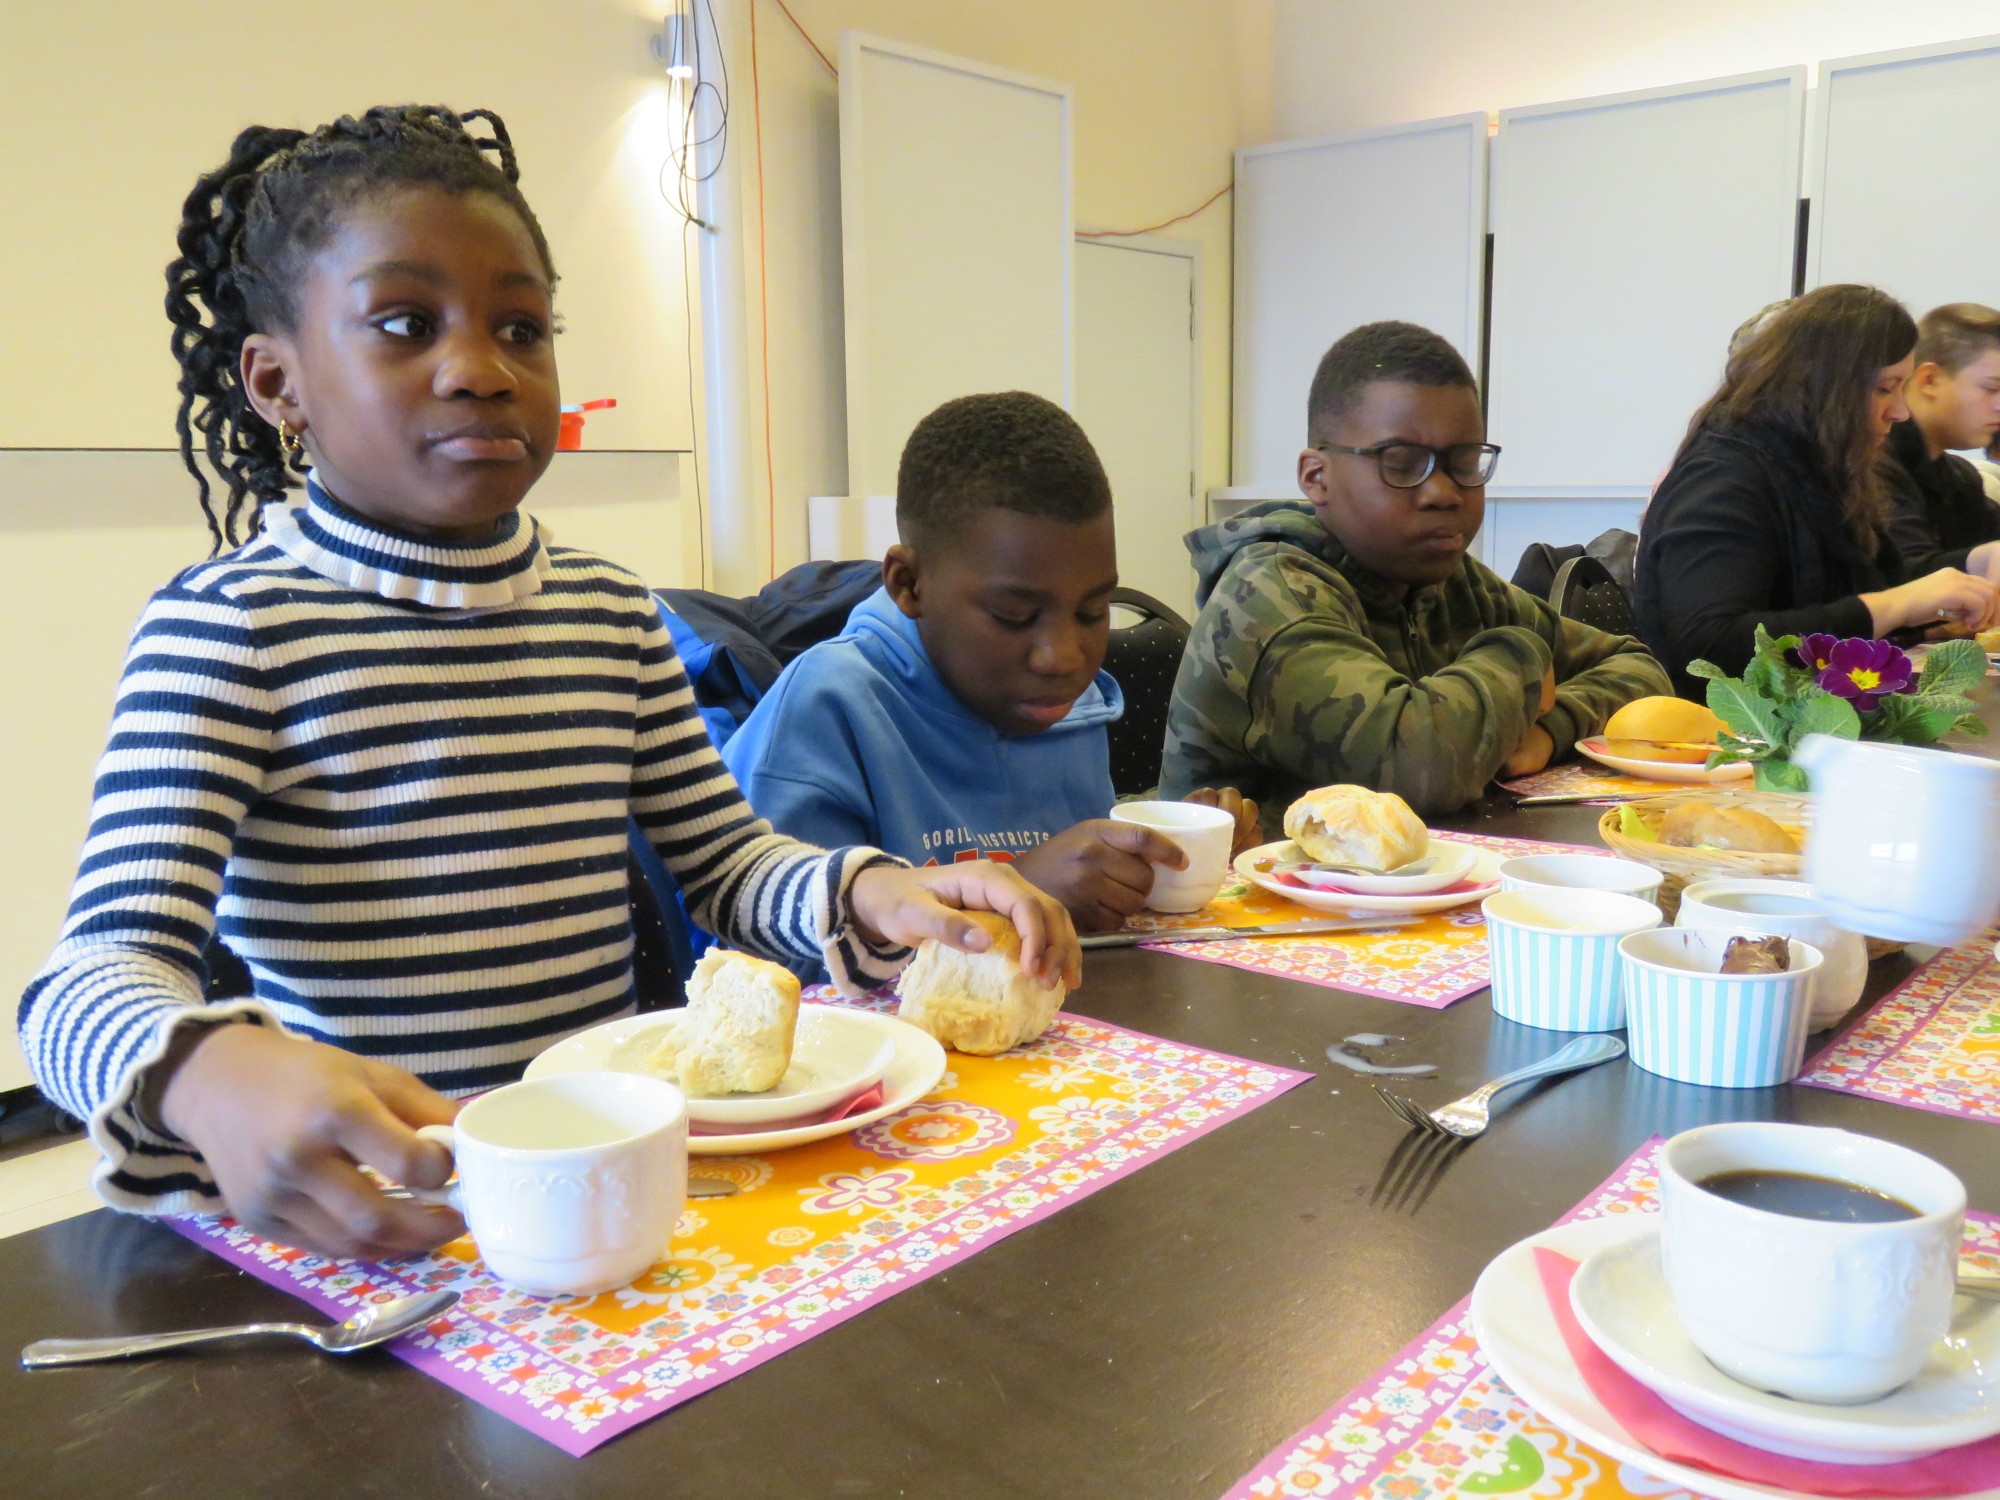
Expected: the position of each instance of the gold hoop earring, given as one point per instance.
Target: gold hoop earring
(289, 446)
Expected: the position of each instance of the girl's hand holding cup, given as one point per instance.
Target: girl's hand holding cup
(286, 1124)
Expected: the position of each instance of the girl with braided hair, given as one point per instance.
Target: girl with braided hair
(385, 743)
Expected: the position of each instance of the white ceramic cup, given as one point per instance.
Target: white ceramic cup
(1905, 842)
(571, 1186)
(1554, 955)
(1791, 909)
(1204, 834)
(1836, 1313)
(1580, 872)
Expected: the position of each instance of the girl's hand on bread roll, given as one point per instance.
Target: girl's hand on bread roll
(892, 904)
(1964, 598)
(1100, 870)
(286, 1125)
(1249, 832)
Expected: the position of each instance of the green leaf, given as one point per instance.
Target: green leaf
(1780, 776)
(1748, 714)
(1772, 678)
(1972, 726)
(1708, 669)
(1952, 667)
(1821, 712)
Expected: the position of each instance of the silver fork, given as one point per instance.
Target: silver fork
(1471, 1115)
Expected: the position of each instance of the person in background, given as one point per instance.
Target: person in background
(387, 744)
(1988, 465)
(961, 714)
(1937, 500)
(1354, 638)
(1773, 511)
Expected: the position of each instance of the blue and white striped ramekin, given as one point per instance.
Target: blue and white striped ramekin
(1554, 955)
(1687, 1022)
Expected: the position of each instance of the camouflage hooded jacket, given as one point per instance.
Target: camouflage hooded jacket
(1305, 669)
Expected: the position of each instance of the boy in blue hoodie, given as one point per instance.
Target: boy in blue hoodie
(961, 714)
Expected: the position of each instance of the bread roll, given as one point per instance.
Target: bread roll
(735, 1037)
(1694, 825)
(977, 1002)
(1350, 825)
(1665, 721)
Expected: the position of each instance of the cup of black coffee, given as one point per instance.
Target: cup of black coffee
(1812, 1262)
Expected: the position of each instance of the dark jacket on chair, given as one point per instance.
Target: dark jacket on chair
(1937, 503)
(1746, 529)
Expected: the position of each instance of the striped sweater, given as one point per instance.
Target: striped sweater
(395, 776)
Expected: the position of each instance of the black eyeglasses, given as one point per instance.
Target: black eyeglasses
(1406, 465)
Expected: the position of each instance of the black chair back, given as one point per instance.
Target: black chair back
(1585, 590)
(1145, 658)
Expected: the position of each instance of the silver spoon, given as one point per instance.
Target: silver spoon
(367, 1328)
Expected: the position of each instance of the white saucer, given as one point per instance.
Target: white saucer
(1445, 864)
(1620, 1297)
(836, 1053)
(1663, 770)
(913, 1071)
(1518, 1335)
(1483, 873)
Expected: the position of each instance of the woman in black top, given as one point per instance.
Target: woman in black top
(1772, 512)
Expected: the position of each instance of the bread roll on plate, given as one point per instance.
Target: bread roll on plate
(977, 1002)
(1350, 825)
(735, 1037)
(1695, 825)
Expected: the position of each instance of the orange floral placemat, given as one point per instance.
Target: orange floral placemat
(1933, 1042)
(1433, 961)
(818, 1234)
(1580, 777)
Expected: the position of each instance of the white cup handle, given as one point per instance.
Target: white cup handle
(447, 1196)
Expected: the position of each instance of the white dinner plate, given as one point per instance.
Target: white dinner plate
(1518, 1335)
(1445, 863)
(913, 1071)
(1664, 770)
(1620, 1297)
(837, 1052)
(1483, 879)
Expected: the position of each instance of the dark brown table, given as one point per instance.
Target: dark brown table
(1152, 1341)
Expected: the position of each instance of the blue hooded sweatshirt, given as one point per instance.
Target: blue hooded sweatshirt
(860, 742)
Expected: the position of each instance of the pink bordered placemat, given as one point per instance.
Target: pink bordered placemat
(1932, 1043)
(1435, 961)
(1436, 1421)
(1580, 777)
(819, 1234)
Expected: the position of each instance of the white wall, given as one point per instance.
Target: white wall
(1344, 65)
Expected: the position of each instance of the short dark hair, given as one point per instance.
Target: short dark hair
(1953, 336)
(1400, 352)
(1009, 449)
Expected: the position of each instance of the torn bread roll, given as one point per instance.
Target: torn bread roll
(1350, 825)
(735, 1037)
(1698, 825)
(977, 1002)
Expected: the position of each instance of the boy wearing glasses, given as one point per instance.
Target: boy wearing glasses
(1354, 639)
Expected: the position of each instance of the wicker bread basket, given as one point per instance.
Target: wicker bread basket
(1684, 867)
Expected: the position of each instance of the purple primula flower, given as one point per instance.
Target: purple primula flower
(1864, 672)
(1813, 652)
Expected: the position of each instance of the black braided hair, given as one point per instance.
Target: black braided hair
(246, 231)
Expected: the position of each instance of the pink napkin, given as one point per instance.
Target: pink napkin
(867, 1099)
(1648, 1419)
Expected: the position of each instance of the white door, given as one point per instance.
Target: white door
(1135, 396)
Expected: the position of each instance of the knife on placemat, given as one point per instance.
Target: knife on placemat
(1130, 936)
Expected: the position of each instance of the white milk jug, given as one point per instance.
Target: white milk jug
(1905, 842)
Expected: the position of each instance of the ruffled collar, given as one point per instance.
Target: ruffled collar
(338, 543)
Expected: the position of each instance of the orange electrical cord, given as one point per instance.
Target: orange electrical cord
(764, 299)
(1107, 234)
(804, 33)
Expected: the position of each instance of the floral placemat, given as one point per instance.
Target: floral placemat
(1437, 1421)
(820, 1233)
(1433, 961)
(1579, 777)
(1933, 1042)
